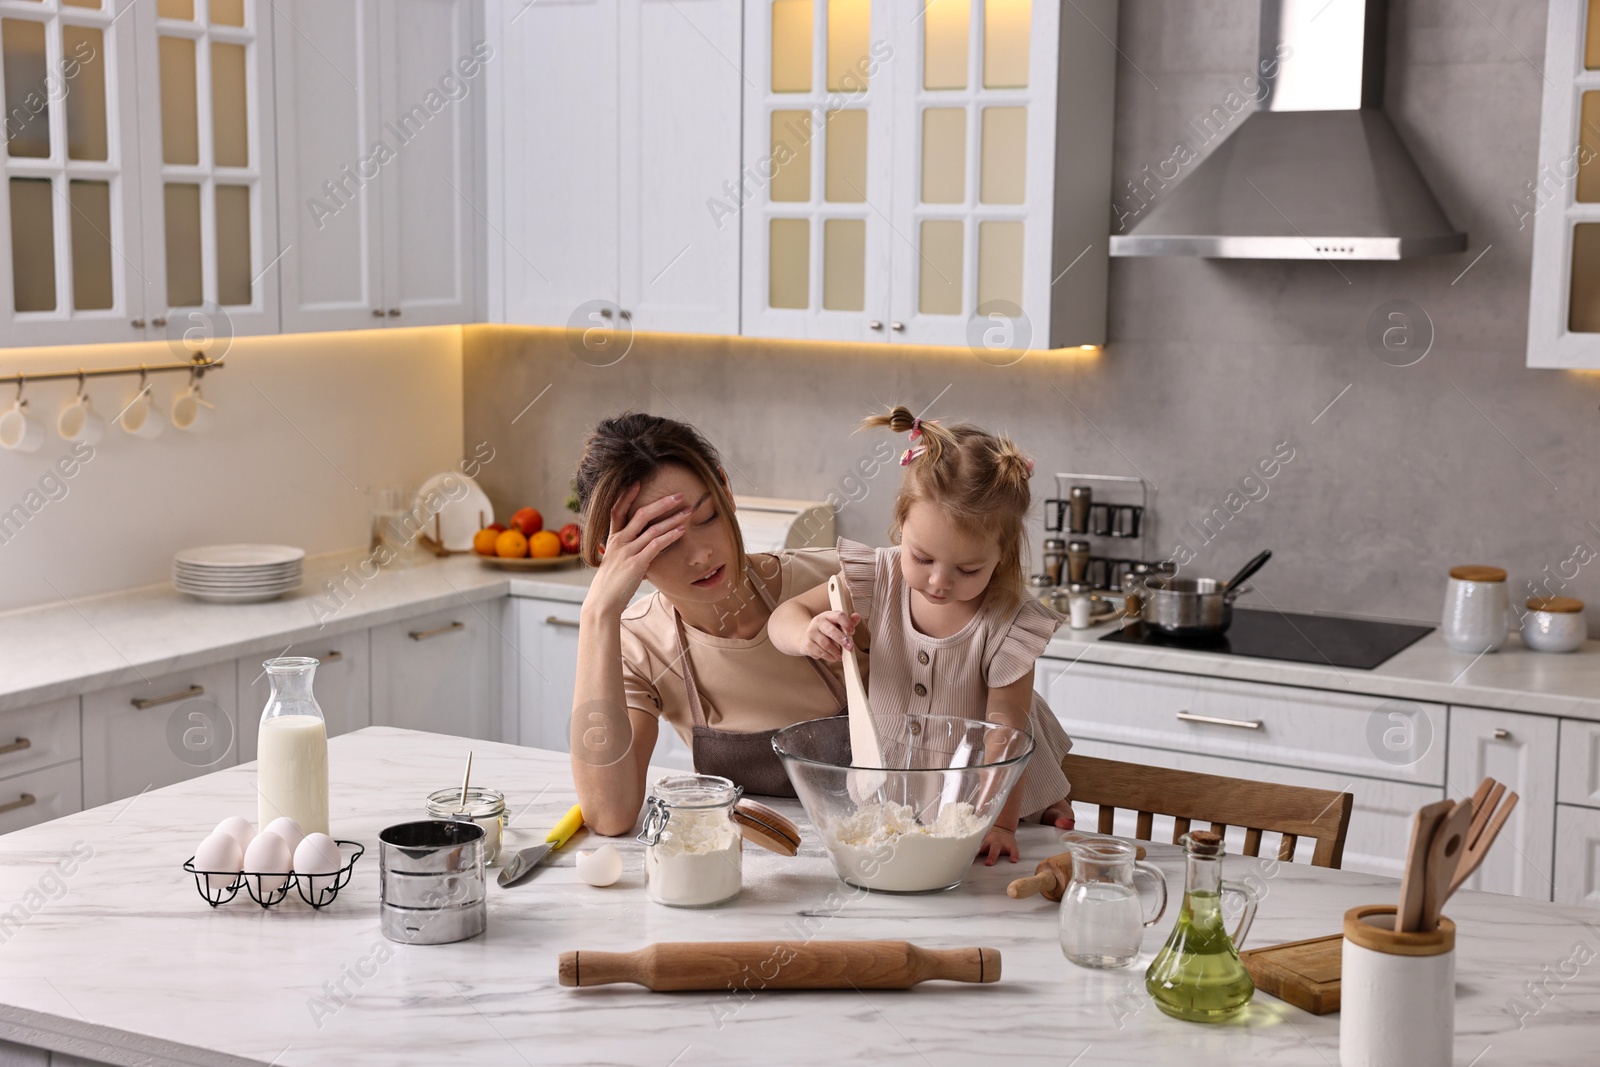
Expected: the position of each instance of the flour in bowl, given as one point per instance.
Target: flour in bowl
(882, 846)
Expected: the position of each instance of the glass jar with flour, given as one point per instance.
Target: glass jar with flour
(693, 854)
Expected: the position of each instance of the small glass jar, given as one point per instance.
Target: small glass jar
(693, 855)
(486, 807)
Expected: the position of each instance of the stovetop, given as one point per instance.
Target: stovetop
(1360, 644)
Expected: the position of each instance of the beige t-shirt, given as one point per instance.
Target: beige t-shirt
(745, 685)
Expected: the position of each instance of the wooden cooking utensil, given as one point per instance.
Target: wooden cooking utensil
(1424, 825)
(725, 965)
(1049, 879)
(863, 734)
(1444, 856)
(1485, 828)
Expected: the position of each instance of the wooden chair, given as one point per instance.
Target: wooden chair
(1190, 797)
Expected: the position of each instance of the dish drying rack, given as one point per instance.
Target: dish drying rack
(256, 883)
(1118, 519)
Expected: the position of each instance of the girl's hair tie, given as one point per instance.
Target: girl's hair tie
(916, 427)
(1030, 466)
(911, 454)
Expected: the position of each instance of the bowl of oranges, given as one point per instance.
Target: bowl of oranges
(524, 544)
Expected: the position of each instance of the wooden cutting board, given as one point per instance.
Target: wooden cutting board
(1302, 973)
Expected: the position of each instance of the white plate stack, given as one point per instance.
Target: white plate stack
(237, 574)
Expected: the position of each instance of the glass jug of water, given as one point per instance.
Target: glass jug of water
(1102, 919)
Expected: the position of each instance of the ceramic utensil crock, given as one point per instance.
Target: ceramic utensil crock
(1398, 992)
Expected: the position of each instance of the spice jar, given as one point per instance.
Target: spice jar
(693, 847)
(1055, 554)
(486, 807)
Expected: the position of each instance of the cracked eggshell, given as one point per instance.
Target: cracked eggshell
(601, 867)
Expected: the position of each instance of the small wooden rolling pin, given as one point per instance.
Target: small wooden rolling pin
(671, 967)
(1050, 878)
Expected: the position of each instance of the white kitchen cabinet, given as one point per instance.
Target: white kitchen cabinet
(1380, 817)
(342, 686)
(151, 733)
(1334, 732)
(1577, 856)
(436, 672)
(40, 736)
(1578, 779)
(613, 144)
(379, 116)
(928, 174)
(547, 677)
(1520, 751)
(39, 796)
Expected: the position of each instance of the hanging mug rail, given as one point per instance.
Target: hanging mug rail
(197, 366)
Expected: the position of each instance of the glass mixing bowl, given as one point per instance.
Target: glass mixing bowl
(914, 824)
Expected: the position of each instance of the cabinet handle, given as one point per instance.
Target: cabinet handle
(331, 657)
(137, 324)
(25, 800)
(1502, 734)
(605, 313)
(874, 324)
(377, 313)
(423, 635)
(159, 320)
(16, 746)
(549, 620)
(625, 315)
(394, 312)
(154, 702)
(1243, 724)
(897, 326)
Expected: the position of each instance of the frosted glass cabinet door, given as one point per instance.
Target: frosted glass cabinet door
(207, 167)
(70, 254)
(330, 202)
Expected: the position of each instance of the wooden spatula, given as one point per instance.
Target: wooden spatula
(1444, 856)
(1489, 816)
(1423, 826)
(863, 735)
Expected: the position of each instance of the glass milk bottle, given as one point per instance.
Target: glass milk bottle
(292, 749)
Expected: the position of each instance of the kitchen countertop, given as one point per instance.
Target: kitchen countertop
(70, 648)
(120, 961)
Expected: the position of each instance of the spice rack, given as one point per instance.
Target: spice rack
(1114, 511)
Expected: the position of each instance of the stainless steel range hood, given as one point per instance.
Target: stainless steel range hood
(1316, 172)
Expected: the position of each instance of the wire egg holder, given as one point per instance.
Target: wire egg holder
(256, 884)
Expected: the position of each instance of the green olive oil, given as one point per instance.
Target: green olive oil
(1197, 974)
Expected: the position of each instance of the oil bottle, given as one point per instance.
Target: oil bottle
(1197, 974)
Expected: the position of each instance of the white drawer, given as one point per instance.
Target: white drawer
(40, 736)
(1380, 819)
(1578, 780)
(1577, 856)
(1365, 735)
(55, 791)
(145, 735)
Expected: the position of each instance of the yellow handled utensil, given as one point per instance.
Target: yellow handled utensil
(521, 865)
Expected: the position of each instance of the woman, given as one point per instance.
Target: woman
(656, 506)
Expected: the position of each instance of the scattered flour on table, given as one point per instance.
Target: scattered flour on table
(882, 846)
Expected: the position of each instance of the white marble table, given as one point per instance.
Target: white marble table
(120, 961)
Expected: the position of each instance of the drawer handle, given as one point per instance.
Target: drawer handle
(423, 635)
(556, 620)
(25, 800)
(1243, 724)
(183, 694)
(16, 746)
(1502, 734)
(331, 657)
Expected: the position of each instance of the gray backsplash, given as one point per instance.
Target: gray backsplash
(1464, 457)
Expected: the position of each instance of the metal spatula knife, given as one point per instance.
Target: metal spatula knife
(523, 864)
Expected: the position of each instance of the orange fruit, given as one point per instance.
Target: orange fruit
(483, 541)
(546, 544)
(511, 545)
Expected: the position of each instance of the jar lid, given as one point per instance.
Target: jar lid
(1559, 605)
(1203, 843)
(762, 826)
(1473, 573)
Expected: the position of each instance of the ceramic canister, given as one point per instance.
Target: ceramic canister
(1397, 992)
(430, 882)
(1554, 624)
(1476, 610)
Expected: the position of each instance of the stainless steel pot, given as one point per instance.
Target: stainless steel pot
(1194, 607)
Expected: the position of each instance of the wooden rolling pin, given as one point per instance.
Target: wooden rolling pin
(1050, 878)
(672, 967)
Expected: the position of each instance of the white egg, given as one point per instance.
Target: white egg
(317, 855)
(268, 855)
(220, 853)
(600, 867)
(287, 829)
(238, 828)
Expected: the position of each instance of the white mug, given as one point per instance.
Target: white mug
(79, 422)
(20, 430)
(191, 412)
(141, 418)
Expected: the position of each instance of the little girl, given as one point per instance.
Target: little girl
(952, 631)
